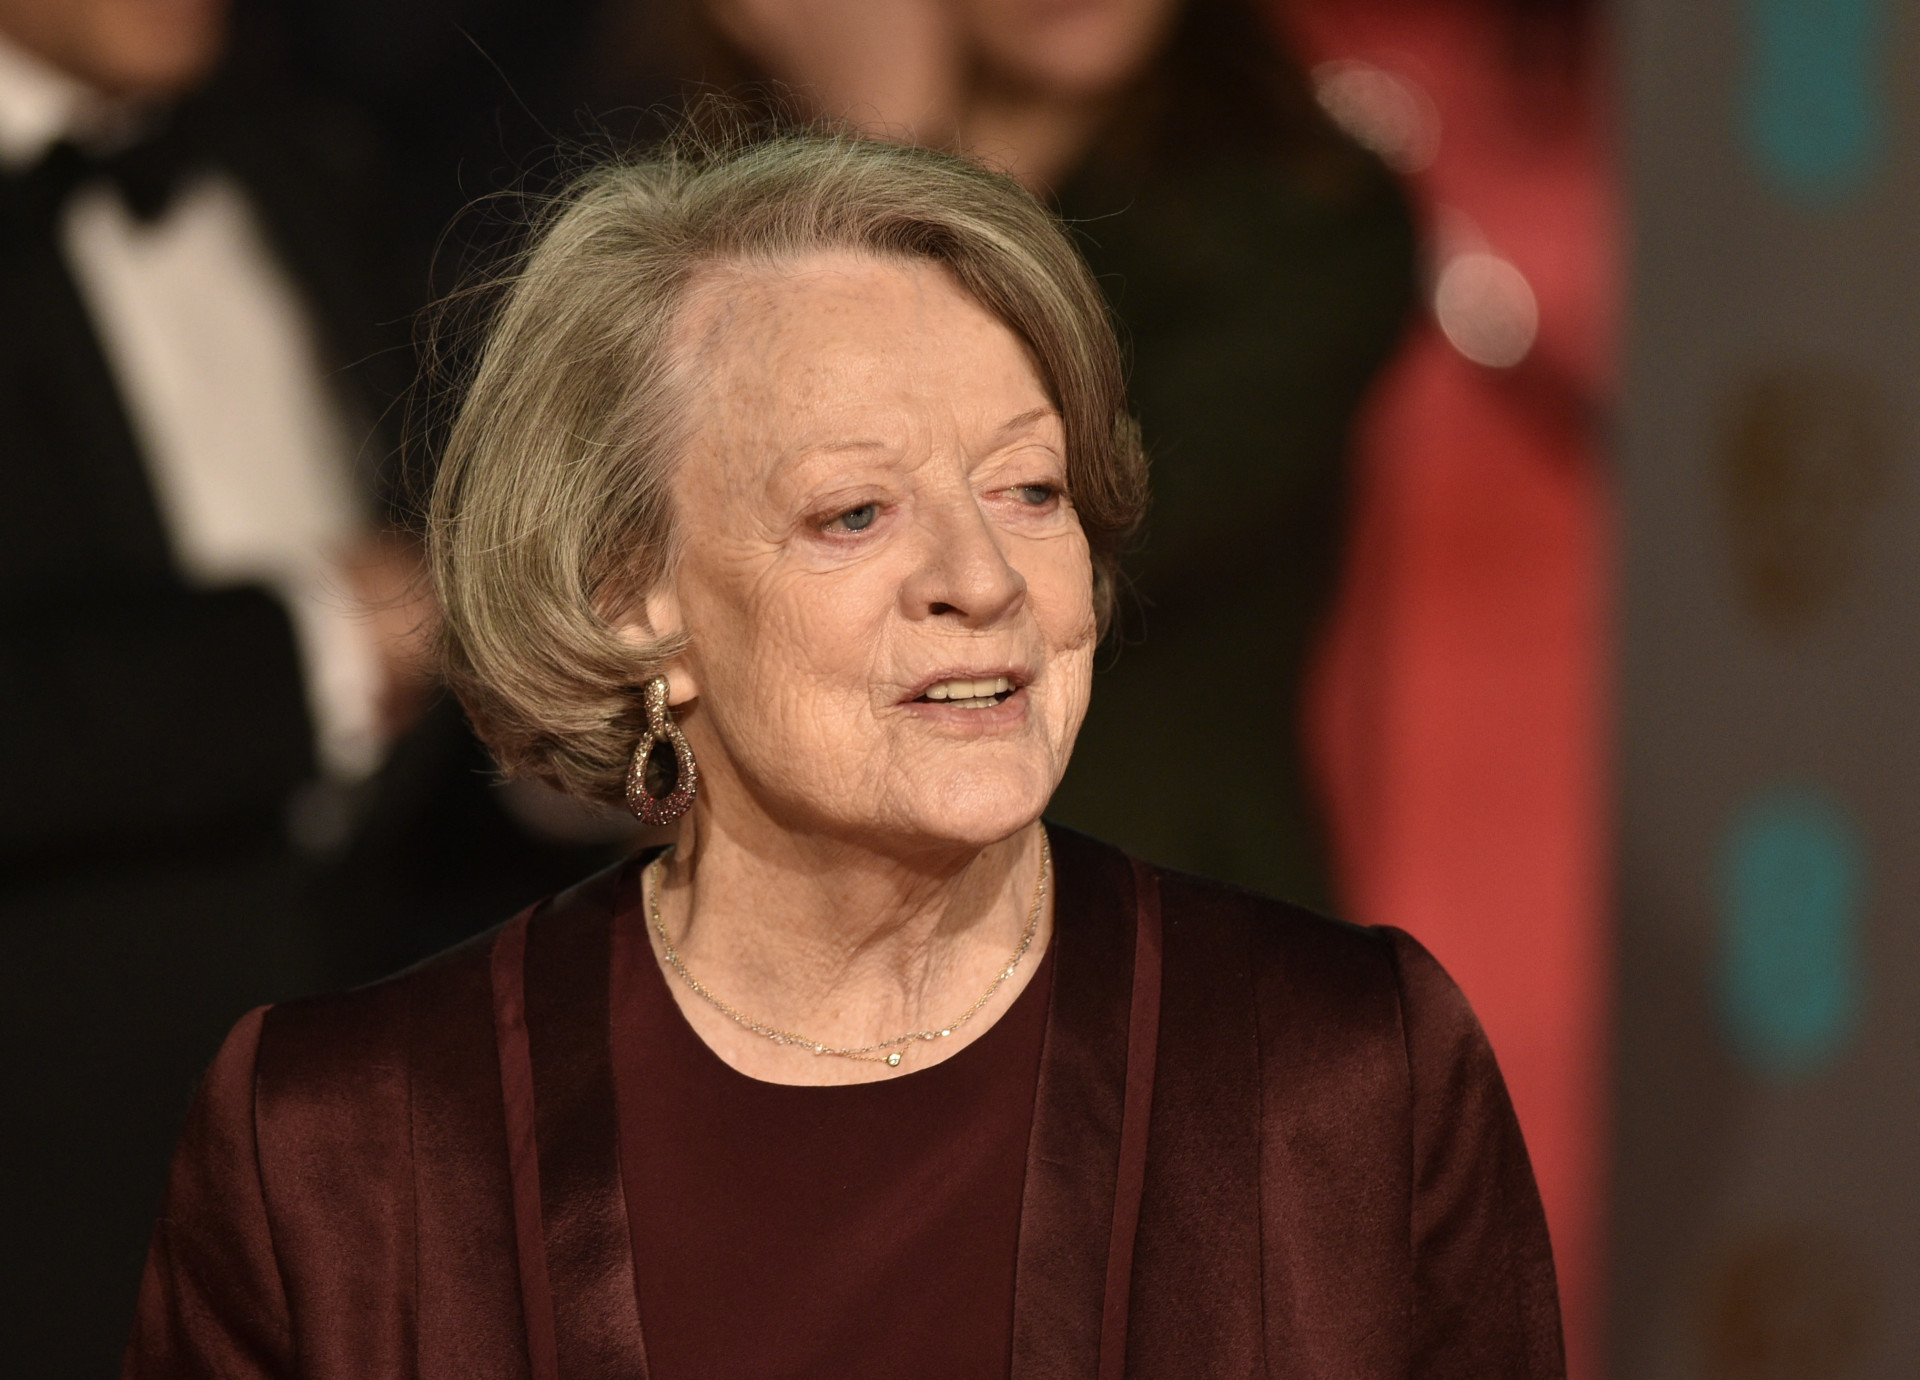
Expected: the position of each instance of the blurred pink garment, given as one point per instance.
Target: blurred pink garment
(1458, 716)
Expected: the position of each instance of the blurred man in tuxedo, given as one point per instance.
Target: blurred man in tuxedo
(209, 648)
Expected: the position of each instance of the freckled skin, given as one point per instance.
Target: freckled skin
(873, 497)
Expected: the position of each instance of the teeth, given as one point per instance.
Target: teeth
(975, 694)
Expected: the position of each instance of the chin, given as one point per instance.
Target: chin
(161, 73)
(977, 809)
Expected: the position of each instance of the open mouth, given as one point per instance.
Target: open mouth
(969, 694)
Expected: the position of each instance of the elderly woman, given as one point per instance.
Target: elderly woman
(784, 506)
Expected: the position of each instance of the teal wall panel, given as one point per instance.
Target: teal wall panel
(1792, 878)
(1816, 94)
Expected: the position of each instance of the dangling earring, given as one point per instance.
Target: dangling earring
(662, 777)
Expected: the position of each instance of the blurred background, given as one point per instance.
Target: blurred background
(1532, 562)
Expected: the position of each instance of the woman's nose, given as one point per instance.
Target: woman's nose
(963, 571)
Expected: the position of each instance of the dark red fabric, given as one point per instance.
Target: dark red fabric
(583, 1209)
(1066, 1220)
(858, 1231)
(509, 970)
(1334, 1183)
(1136, 1108)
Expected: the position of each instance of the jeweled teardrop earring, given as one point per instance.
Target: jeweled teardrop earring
(662, 777)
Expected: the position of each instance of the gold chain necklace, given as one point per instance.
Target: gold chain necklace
(886, 1051)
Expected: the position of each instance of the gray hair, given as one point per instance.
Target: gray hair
(550, 519)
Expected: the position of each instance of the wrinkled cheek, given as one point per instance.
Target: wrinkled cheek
(790, 755)
(1075, 662)
(779, 638)
(1073, 630)
(1076, 687)
(797, 691)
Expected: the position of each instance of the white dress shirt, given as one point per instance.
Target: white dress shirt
(247, 451)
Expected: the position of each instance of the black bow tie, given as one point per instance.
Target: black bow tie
(146, 174)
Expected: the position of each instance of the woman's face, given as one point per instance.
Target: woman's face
(1085, 49)
(888, 595)
(143, 49)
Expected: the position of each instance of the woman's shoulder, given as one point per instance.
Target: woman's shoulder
(352, 1034)
(339, 1147)
(1357, 1005)
(1188, 899)
(432, 1023)
(1300, 957)
(1308, 977)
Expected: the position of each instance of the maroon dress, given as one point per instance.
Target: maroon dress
(1261, 1144)
(857, 1231)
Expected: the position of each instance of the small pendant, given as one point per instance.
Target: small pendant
(893, 1060)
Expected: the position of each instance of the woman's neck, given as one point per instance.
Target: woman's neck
(1038, 137)
(845, 945)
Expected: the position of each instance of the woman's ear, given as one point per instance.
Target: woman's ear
(660, 617)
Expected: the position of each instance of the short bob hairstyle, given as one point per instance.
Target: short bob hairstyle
(550, 515)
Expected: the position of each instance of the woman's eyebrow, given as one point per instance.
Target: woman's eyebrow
(1020, 422)
(839, 447)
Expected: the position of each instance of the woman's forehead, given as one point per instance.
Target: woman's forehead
(846, 350)
(759, 309)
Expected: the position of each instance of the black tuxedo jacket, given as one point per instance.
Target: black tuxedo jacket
(153, 740)
(133, 708)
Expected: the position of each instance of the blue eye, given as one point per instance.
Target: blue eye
(1036, 494)
(857, 519)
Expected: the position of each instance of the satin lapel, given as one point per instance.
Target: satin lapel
(509, 971)
(582, 1209)
(632, 960)
(1143, 1052)
(1067, 1219)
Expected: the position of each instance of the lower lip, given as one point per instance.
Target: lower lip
(1009, 712)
